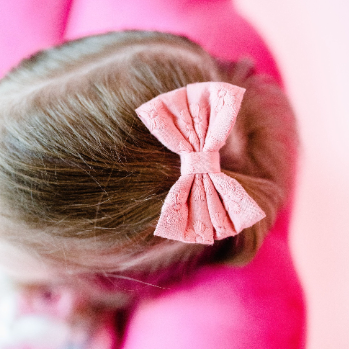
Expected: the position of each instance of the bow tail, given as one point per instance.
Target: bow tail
(241, 208)
(203, 207)
(175, 219)
(200, 228)
(221, 222)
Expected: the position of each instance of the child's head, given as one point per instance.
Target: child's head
(83, 177)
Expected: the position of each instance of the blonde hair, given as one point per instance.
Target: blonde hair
(83, 173)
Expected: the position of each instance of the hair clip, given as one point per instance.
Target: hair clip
(204, 204)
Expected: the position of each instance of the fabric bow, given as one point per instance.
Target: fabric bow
(204, 204)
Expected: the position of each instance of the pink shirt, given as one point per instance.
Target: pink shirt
(29, 25)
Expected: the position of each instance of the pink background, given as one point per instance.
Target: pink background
(310, 39)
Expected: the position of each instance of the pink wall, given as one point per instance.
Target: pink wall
(310, 39)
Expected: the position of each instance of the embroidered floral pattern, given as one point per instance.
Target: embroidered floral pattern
(220, 222)
(176, 199)
(189, 235)
(197, 115)
(225, 98)
(173, 219)
(151, 116)
(204, 203)
(209, 189)
(230, 188)
(199, 229)
(189, 131)
(199, 190)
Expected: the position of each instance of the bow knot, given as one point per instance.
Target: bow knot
(200, 162)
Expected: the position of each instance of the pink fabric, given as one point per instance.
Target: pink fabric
(196, 120)
(214, 24)
(258, 306)
(29, 25)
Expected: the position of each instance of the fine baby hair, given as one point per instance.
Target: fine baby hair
(82, 172)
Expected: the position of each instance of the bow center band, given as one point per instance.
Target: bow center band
(200, 162)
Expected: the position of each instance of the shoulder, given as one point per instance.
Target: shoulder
(259, 306)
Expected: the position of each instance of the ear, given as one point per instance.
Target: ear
(237, 72)
(233, 153)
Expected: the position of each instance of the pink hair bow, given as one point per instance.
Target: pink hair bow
(204, 204)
